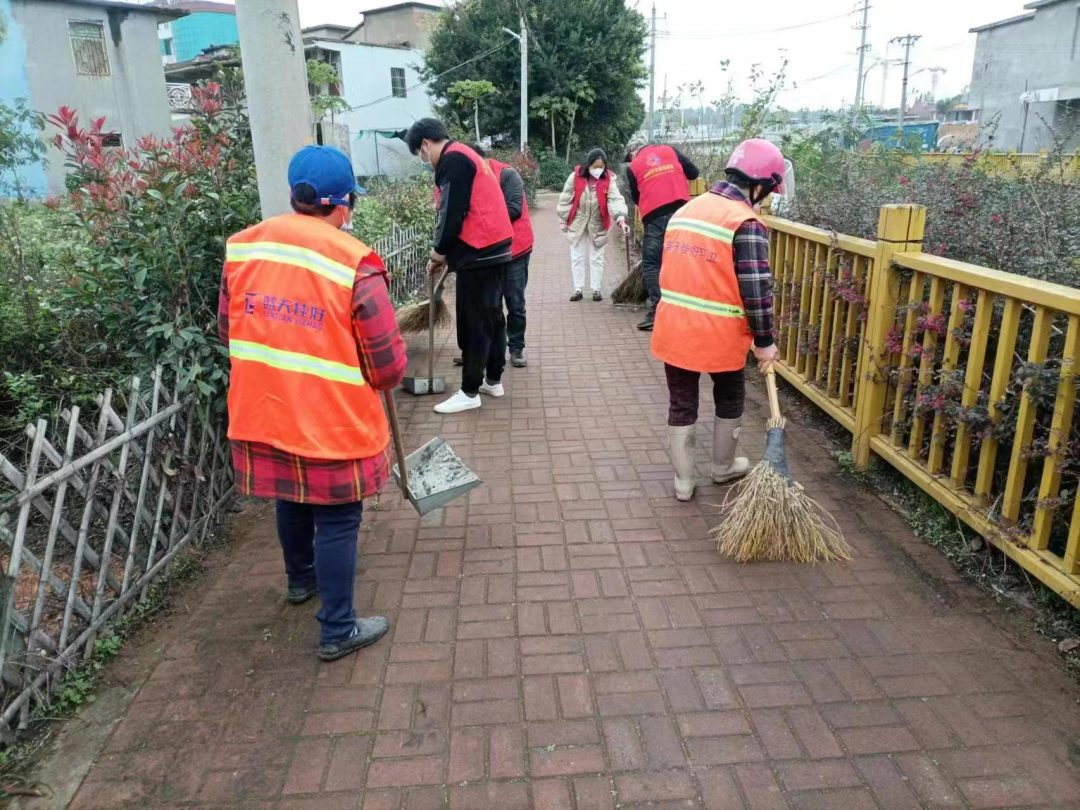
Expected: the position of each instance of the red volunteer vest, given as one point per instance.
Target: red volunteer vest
(523, 231)
(700, 322)
(601, 196)
(296, 382)
(660, 178)
(487, 223)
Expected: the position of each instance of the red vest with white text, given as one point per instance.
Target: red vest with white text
(660, 178)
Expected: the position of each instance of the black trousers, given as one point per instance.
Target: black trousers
(729, 392)
(652, 252)
(481, 326)
(517, 278)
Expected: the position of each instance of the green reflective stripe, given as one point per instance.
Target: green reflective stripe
(703, 228)
(701, 305)
(292, 255)
(294, 361)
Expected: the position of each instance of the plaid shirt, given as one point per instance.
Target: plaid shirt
(752, 267)
(264, 471)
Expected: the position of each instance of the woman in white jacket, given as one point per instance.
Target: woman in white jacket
(589, 203)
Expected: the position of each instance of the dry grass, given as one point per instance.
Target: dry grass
(768, 517)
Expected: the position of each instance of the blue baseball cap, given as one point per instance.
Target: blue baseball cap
(326, 169)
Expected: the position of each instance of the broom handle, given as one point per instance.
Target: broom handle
(399, 446)
(431, 325)
(774, 397)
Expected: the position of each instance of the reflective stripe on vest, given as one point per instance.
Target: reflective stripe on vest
(295, 361)
(293, 255)
(702, 305)
(701, 227)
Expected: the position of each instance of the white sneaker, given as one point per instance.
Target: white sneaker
(492, 389)
(457, 403)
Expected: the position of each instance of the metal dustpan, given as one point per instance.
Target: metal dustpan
(432, 476)
(419, 386)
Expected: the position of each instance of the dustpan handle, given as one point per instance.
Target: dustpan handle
(399, 446)
(774, 397)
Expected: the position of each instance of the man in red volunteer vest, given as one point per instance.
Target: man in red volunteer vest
(473, 237)
(517, 276)
(658, 176)
(715, 305)
(305, 312)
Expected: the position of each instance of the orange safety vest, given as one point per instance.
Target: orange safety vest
(700, 322)
(296, 382)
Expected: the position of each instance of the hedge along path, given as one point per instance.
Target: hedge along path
(568, 636)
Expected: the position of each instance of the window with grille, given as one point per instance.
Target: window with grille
(113, 140)
(88, 47)
(397, 82)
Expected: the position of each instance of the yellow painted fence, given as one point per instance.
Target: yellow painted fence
(1007, 163)
(903, 348)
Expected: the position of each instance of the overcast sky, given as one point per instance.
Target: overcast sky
(698, 34)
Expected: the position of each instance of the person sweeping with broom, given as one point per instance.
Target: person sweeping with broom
(715, 305)
(473, 238)
(658, 176)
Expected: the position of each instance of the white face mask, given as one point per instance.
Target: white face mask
(597, 173)
(425, 162)
(346, 225)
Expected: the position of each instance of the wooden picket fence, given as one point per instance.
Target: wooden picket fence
(921, 358)
(96, 513)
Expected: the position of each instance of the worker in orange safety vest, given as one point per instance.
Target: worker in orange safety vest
(715, 305)
(312, 336)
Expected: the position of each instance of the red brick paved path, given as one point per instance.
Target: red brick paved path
(568, 639)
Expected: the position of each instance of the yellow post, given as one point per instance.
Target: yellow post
(900, 230)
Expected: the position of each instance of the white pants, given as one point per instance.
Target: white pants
(579, 251)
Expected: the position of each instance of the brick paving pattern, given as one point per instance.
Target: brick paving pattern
(567, 638)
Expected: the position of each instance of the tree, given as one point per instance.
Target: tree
(582, 94)
(599, 42)
(20, 144)
(468, 91)
(322, 80)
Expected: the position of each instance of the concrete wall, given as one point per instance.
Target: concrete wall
(365, 77)
(132, 98)
(1044, 53)
(15, 86)
(402, 25)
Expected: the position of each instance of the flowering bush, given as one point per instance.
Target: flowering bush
(130, 274)
(408, 203)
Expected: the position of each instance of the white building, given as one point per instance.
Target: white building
(382, 86)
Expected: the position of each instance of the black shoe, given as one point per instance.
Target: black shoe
(298, 594)
(596, 296)
(647, 324)
(459, 361)
(367, 632)
(517, 359)
(577, 296)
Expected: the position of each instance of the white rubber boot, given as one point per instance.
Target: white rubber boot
(726, 466)
(682, 459)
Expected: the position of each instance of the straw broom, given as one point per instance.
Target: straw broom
(416, 318)
(770, 516)
(632, 289)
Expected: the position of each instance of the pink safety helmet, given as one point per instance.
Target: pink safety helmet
(759, 162)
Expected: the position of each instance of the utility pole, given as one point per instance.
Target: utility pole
(524, 84)
(523, 43)
(862, 60)
(907, 41)
(652, 74)
(275, 76)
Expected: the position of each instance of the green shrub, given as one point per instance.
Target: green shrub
(552, 170)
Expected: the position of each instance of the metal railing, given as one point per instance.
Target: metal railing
(959, 376)
(405, 253)
(98, 513)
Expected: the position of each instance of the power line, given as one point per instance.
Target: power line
(730, 33)
(418, 85)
